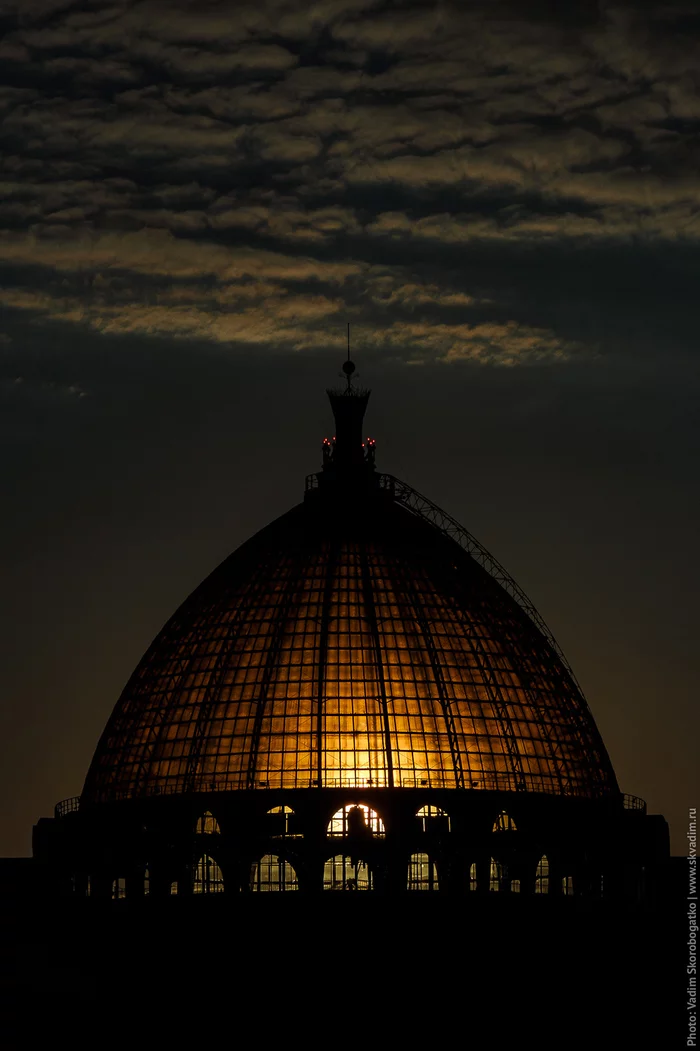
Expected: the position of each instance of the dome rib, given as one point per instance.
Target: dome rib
(203, 723)
(371, 615)
(407, 586)
(290, 590)
(332, 561)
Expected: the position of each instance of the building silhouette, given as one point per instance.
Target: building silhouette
(359, 698)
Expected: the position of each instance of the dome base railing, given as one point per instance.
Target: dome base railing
(484, 784)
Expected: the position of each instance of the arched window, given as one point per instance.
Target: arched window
(342, 873)
(118, 888)
(208, 877)
(497, 874)
(542, 876)
(207, 824)
(273, 873)
(515, 886)
(356, 820)
(281, 822)
(504, 823)
(433, 819)
(173, 887)
(422, 873)
(472, 876)
(567, 886)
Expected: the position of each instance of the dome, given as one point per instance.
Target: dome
(363, 639)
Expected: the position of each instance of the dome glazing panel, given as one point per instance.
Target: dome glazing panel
(350, 643)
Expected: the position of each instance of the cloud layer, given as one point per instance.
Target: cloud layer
(258, 174)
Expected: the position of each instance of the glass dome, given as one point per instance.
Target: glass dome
(350, 643)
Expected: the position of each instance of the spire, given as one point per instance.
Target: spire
(348, 365)
(348, 456)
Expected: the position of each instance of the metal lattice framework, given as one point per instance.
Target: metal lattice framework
(421, 505)
(426, 509)
(372, 642)
(429, 511)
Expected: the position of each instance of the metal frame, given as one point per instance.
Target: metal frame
(429, 511)
(494, 648)
(420, 505)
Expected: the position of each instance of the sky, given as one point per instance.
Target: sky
(502, 199)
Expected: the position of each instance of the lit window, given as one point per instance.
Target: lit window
(88, 888)
(273, 873)
(173, 887)
(504, 823)
(147, 881)
(281, 823)
(342, 873)
(118, 888)
(422, 873)
(497, 875)
(542, 876)
(356, 820)
(567, 885)
(472, 876)
(515, 886)
(207, 824)
(433, 819)
(208, 877)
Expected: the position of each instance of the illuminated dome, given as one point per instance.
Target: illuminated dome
(362, 640)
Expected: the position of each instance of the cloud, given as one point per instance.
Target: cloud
(491, 343)
(159, 253)
(164, 165)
